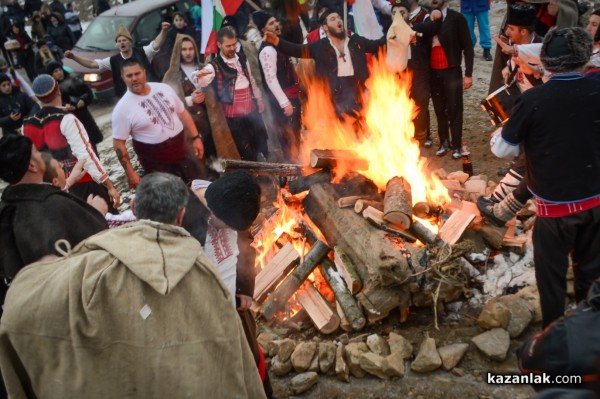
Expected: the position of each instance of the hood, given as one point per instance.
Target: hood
(158, 254)
(172, 76)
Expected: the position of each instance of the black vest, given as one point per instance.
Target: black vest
(115, 66)
(286, 74)
(226, 76)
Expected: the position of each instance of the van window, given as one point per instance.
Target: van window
(147, 28)
(100, 35)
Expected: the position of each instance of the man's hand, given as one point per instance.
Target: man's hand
(80, 104)
(272, 38)
(288, 110)
(98, 203)
(245, 302)
(435, 15)
(198, 148)
(467, 82)
(133, 180)
(77, 172)
(164, 26)
(198, 97)
(15, 116)
(114, 197)
(69, 108)
(69, 54)
(505, 74)
(261, 105)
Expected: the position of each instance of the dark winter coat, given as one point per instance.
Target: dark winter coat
(58, 7)
(456, 40)
(61, 36)
(72, 90)
(12, 102)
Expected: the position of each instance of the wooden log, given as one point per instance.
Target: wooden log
(275, 271)
(331, 158)
(224, 143)
(294, 280)
(344, 265)
(318, 309)
(375, 217)
(425, 235)
(347, 202)
(304, 183)
(342, 295)
(397, 202)
(363, 204)
(262, 168)
(344, 323)
(455, 226)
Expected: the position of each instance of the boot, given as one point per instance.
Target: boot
(487, 55)
(501, 212)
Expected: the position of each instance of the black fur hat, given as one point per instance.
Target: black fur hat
(260, 19)
(566, 49)
(15, 154)
(235, 199)
(521, 15)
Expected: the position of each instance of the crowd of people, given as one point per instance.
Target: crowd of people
(169, 296)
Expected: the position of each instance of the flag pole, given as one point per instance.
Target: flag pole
(345, 16)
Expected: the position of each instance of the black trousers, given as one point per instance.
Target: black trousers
(447, 97)
(420, 92)
(250, 135)
(553, 240)
(288, 128)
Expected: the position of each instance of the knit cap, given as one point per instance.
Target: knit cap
(45, 87)
(15, 154)
(260, 19)
(3, 78)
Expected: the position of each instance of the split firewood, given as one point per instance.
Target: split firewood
(331, 158)
(294, 280)
(262, 168)
(304, 183)
(347, 202)
(397, 202)
(455, 226)
(318, 309)
(347, 270)
(275, 271)
(344, 323)
(363, 204)
(375, 217)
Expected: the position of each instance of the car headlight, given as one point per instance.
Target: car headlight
(91, 77)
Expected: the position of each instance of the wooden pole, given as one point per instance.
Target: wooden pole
(262, 168)
(346, 269)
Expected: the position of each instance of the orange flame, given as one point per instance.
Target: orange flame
(387, 140)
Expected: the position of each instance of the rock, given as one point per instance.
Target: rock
(399, 344)
(458, 372)
(378, 345)
(494, 314)
(372, 363)
(476, 186)
(303, 382)
(428, 358)
(460, 176)
(279, 367)
(314, 365)
(354, 351)
(532, 296)
(393, 365)
(286, 348)
(451, 355)
(521, 314)
(493, 343)
(303, 355)
(264, 339)
(341, 367)
(326, 356)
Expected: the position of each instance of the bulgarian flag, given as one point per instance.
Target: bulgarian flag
(212, 21)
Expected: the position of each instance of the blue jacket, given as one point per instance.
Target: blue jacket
(469, 6)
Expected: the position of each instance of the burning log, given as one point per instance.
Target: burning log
(375, 217)
(455, 226)
(262, 168)
(294, 280)
(342, 295)
(318, 309)
(363, 204)
(347, 271)
(425, 235)
(397, 203)
(275, 271)
(329, 159)
(304, 183)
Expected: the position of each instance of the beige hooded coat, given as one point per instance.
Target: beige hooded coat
(134, 312)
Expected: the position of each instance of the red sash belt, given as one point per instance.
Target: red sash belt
(170, 151)
(547, 209)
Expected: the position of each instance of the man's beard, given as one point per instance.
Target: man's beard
(338, 35)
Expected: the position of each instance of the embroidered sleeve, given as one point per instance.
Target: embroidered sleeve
(78, 140)
(205, 76)
(268, 60)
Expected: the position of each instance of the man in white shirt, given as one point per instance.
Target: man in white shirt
(156, 119)
(230, 74)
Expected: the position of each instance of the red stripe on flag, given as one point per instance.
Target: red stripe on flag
(231, 6)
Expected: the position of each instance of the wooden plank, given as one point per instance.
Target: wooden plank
(318, 309)
(347, 270)
(275, 271)
(455, 226)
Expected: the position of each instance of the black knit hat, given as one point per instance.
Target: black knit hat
(235, 199)
(51, 66)
(15, 154)
(521, 15)
(4, 77)
(566, 49)
(400, 3)
(260, 19)
(326, 13)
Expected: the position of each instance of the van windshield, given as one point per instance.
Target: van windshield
(100, 35)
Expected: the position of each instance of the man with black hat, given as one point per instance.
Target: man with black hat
(339, 59)
(124, 43)
(282, 87)
(557, 125)
(34, 215)
(54, 130)
(14, 106)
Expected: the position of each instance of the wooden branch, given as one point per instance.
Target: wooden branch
(318, 309)
(331, 158)
(375, 217)
(363, 204)
(425, 235)
(294, 280)
(304, 183)
(346, 269)
(342, 295)
(262, 168)
(347, 202)
(455, 226)
(344, 323)
(397, 202)
(275, 271)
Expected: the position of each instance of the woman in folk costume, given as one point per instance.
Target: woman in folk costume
(234, 203)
